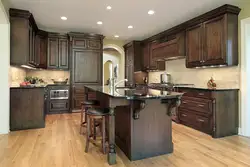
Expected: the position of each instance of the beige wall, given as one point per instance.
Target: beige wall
(228, 77)
(4, 69)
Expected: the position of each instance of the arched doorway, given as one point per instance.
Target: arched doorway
(114, 54)
(107, 71)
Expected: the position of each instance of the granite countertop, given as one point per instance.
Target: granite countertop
(27, 87)
(136, 93)
(36, 86)
(207, 89)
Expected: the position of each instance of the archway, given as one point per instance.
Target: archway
(114, 53)
(107, 71)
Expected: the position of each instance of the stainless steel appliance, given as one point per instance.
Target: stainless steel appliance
(59, 94)
(166, 78)
(58, 99)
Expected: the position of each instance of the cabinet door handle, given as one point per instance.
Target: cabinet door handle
(201, 94)
(200, 120)
(184, 102)
(200, 105)
(184, 115)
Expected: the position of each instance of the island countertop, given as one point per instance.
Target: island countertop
(136, 93)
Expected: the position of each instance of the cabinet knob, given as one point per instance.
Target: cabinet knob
(200, 120)
(184, 115)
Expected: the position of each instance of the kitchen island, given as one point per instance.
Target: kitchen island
(144, 120)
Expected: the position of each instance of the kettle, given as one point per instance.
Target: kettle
(166, 78)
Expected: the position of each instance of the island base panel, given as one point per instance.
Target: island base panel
(148, 136)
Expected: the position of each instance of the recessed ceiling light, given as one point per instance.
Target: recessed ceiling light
(99, 23)
(116, 36)
(151, 12)
(64, 18)
(130, 27)
(109, 7)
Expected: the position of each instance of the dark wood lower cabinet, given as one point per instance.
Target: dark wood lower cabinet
(27, 108)
(214, 112)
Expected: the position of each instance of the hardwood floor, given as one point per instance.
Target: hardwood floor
(60, 145)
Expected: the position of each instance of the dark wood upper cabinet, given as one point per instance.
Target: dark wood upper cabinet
(63, 54)
(169, 48)
(22, 38)
(58, 51)
(149, 63)
(53, 53)
(41, 49)
(213, 40)
(133, 60)
(194, 45)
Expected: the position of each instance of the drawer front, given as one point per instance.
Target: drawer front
(196, 93)
(186, 116)
(59, 106)
(197, 104)
(195, 121)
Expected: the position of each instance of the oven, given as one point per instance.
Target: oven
(59, 94)
(59, 99)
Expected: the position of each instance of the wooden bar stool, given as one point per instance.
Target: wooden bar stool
(84, 107)
(94, 115)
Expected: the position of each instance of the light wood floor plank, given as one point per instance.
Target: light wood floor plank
(61, 145)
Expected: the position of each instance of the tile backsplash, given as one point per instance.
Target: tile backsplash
(17, 75)
(48, 75)
(226, 77)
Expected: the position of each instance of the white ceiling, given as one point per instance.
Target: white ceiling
(83, 14)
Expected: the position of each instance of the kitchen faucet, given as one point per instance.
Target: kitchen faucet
(117, 83)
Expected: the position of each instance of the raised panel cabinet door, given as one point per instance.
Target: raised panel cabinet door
(43, 52)
(129, 74)
(87, 66)
(129, 53)
(53, 53)
(146, 57)
(214, 41)
(19, 41)
(152, 60)
(63, 54)
(94, 44)
(194, 46)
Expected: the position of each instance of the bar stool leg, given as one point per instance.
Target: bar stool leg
(88, 134)
(94, 126)
(103, 135)
(81, 120)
